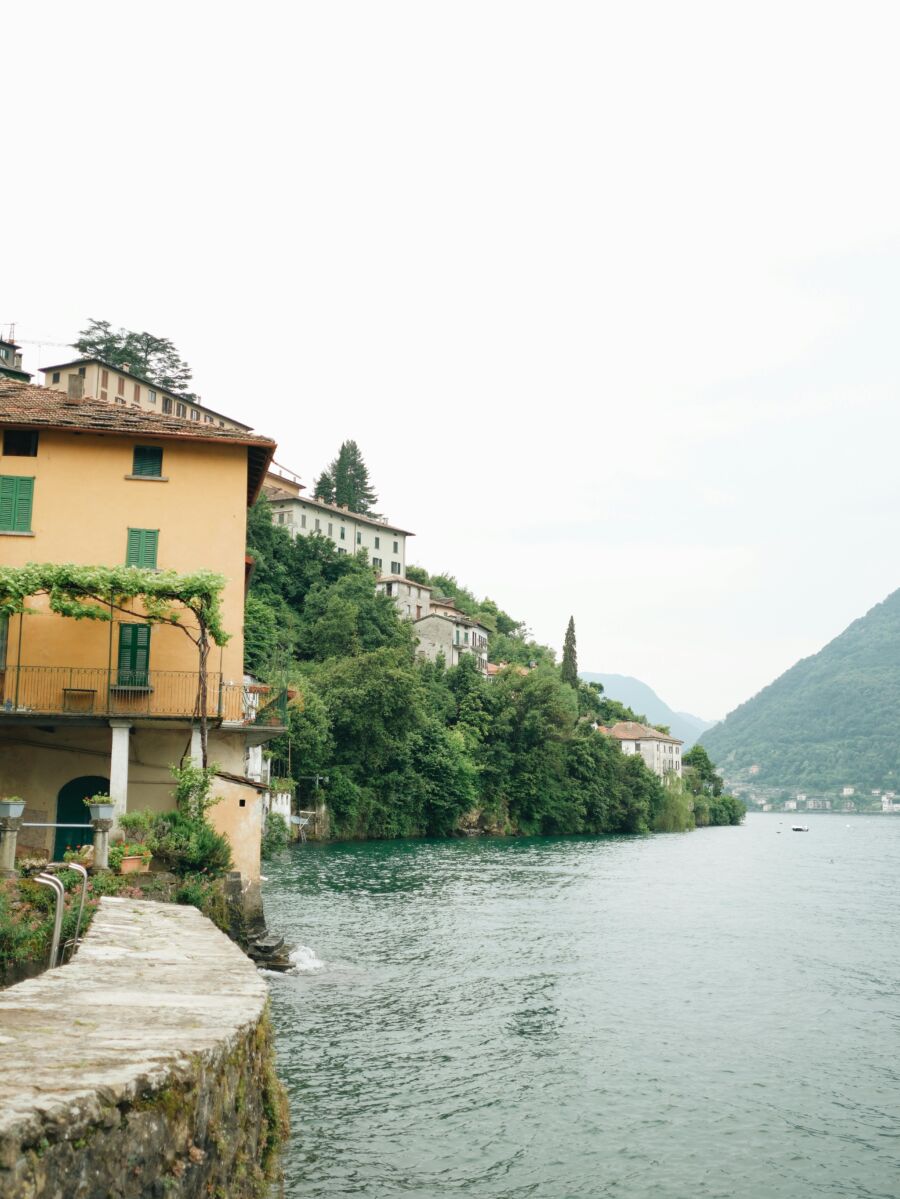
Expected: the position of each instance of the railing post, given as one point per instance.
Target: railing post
(9, 834)
(101, 844)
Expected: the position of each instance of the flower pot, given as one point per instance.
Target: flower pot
(102, 811)
(11, 808)
(134, 864)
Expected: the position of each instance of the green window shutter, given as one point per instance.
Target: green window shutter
(147, 461)
(134, 655)
(16, 495)
(141, 547)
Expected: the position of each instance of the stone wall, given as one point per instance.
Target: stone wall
(144, 1068)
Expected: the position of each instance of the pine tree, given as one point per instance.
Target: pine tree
(324, 489)
(346, 481)
(569, 666)
(150, 357)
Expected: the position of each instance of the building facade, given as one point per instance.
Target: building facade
(452, 637)
(661, 752)
(91, 378)
(303, 516)
(413, 600)
(92, 706)
(11, 362)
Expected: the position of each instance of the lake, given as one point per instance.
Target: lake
(714, 1013)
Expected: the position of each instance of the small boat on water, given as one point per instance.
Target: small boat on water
(799, 828)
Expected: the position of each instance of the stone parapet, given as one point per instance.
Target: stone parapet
(143, 1068)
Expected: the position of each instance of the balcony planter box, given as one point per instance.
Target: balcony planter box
(102, 811)
(11, 808)
(134, 864)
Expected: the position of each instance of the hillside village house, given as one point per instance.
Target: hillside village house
(85, 378)
(11, 361)
(661, 752)
(92, 706)
(452, 636)
(349, 531)
(413, 600)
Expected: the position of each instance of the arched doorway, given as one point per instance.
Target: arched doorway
(71, 809)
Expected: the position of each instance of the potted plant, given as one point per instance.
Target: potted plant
(129, 857)
(11, 806)
(102, 807)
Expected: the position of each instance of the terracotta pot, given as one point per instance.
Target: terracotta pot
(134, 864)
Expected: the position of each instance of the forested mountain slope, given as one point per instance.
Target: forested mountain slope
(641, 698)
(831, 720)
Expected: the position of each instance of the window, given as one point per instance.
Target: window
(82, 370)
(166, 404)
(378, 543)
(151, 395)
(359, 538)
(395, 568)
(303, 521)
(147, 462)
(56, 376)
(180, 409)
(340, 551)
(75, 387)
(389, 589)
(16, 493)
(137, 393)
(120, 385)
(343, 533)
(281, 518)
(318, 524)
(20, 443)
(103, 395)
(209, 420)
(141, 547)
(396, 547)
(376, 562)
(195, 415)
(134, 655)
(104, 378)
(330, 529)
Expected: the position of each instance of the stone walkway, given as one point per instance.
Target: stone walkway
(152, 985)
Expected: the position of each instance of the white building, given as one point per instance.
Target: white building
(350, 531)
(661, 752)
(413, 600)
(452, 636)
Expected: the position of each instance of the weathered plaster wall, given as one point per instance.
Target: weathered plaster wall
(143, 1068)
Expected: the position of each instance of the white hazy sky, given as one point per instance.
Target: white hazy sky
(607, 293)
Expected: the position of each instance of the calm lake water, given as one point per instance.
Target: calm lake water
(707, 1014)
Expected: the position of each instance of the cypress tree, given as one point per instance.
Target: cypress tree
(569, 667)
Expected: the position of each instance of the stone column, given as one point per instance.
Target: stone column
(101, 844)
(9, 833)
(196, 746)
(118, 765)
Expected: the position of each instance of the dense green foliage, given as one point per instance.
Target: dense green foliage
(153, 358)
(411, 747)
(346, 481)
(275, 834)
(184, 841)
(827, 722)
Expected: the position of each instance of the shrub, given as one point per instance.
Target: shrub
(275, 834)
(189, 846)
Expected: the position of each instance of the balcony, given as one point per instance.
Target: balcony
(75, 692)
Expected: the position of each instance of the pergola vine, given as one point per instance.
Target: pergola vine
(160, 597)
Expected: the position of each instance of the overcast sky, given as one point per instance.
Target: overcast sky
(607, 293)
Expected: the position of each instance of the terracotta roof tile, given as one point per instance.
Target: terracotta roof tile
(630, 730)
(40, 407)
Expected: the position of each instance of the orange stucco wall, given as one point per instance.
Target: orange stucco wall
(83, 507)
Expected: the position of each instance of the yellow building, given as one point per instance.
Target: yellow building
(89, 706)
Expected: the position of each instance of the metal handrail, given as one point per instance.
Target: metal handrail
(51, 881)
(72, 941)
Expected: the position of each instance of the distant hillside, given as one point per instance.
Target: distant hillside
(830, 720)
(644, 700)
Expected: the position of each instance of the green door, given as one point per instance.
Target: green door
(71, 809)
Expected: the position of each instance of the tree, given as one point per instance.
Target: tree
(346, 481)
(153, 358)
(569, 666)
(702, 779)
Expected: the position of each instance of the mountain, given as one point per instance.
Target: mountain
(829, 721)
(645, 702)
